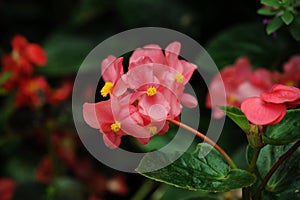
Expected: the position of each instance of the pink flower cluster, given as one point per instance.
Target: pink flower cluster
(242, 82)
(145, 98)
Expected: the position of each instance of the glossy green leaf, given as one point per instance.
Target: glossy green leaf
(285, 182)
(192, 171)
(237, 116)
(274, 25)
(287, 17)
(169, 192)
(286, 131)
(274, 3)
(266, 11)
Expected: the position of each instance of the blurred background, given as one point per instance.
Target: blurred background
(41, 155)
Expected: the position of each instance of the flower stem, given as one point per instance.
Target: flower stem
(253, 160)
(274, 168)
(246, 190)
(206, 139)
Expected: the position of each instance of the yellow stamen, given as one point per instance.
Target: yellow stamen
(290, 83)
(152, 129)
(106, 89)
(16, 56)
(151, 91)
(179, 77)
(115, 127)
(231, 99)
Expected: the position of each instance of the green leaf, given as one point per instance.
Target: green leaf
(287, 17)
(195, 172)
(285, 182)
(4, 77)
(65, 54)
(274, 25)
(170, 192)
(295, 28)
(286, 131)
(267, 11)
(237, 116)
(273, 3)
(248, 40)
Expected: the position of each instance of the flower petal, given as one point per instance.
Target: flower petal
(111, 140)
(189, 101)
(281, 94)
(261, 113)
(36, 54)
(90, 116)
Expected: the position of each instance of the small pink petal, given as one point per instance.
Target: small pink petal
(111, 140)
(173, 48)
(112, 69)
(90, 116)
(189, 101)
(281, 94)
(261, 113)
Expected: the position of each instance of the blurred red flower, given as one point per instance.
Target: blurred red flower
(7, 188)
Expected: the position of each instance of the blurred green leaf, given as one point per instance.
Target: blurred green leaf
(285, 182)
(247, 40)
(30, 190)
(286, 131)
(65, 188)
(192, 171)
(287, 17)
(267, 11)
(236, 115)
(274, 25)
(20, 169)
(295, 28)
(65, 54)
(4, 77)
(274, 3)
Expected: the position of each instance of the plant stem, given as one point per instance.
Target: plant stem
(144, 190)
(274, 168)
(206, 139)
(246, 190)
(253, 160)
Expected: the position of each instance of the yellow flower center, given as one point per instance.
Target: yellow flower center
(16, 56)
(115, 127)
(152, 129)
(179, 77)
(290, 83)
(106, 89)
(231, 99)
(151, 91)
